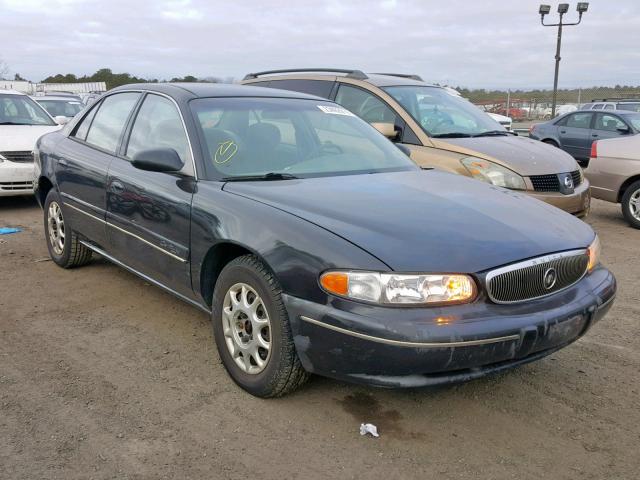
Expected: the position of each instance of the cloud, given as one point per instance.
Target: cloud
(493, 43)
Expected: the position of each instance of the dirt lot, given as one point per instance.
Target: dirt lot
(104, 376)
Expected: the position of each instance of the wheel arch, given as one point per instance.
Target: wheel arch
(216, 258)
(44, 186)
(627, 183)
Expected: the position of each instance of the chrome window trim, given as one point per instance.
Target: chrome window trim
(141, 91)
(400, 343)
(530, 263)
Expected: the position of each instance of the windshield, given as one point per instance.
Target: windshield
(288, 138)
(442, 114)
(65, 108)
(21, 110)
(634, 107)
(634, 120)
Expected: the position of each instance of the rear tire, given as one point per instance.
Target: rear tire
(252, 332)
(631, 204)
(64, 247)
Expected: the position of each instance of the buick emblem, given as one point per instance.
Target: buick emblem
(568, 182)
(549, 278)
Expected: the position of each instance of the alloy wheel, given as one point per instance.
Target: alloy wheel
(634, 204)
(247, 328)
(55, 224)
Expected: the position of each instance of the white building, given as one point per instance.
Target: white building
(35, 88)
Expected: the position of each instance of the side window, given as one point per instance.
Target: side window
(598, 106)
(321, 88)
(579, 120)
(158, 125)
(109, 121)
(608, 122)
(364, 104)
(85, 123)
(609, 106)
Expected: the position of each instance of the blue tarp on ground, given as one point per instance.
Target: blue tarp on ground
(7, 230)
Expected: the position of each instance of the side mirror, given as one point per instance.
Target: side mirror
(386, 129)
(61, 120)
(158, 160)
(624, 129)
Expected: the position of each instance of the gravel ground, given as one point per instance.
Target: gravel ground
(103, 376)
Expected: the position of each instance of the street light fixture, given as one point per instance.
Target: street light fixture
(563, 8)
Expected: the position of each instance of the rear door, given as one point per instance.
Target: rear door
(149, 213)
(575, 134)
(83, 163)
(606, 125)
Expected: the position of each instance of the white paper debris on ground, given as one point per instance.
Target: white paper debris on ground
(369, 428)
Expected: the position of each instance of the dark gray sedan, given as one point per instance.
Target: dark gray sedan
(576, 131)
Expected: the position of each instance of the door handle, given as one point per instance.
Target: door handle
(563, 131)
(116, 187)
(594, 134)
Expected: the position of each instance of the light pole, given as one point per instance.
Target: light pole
(563, 8)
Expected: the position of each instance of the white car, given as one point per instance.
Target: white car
(60, 105)
(22, 122)
(503, 120)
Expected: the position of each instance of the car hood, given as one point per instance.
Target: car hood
(427, 221)
(15, 138)
(523, 155)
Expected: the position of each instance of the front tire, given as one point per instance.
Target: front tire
(631, 204)
(252, 332)
(553, 143)
(64, 247)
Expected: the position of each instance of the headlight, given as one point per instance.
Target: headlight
(493, 173)
(594, 253)
(392, 288)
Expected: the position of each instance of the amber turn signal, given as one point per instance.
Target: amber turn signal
(335, 282)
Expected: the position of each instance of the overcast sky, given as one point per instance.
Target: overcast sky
(469, 43)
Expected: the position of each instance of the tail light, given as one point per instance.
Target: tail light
(594, 149)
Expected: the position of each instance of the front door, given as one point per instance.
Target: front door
(149, 213)
(607, 125)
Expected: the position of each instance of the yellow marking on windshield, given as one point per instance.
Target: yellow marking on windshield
(225, 152)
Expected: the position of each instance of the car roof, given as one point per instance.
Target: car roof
(203, 90)
(376, 79)
(11, 92)
(65, 98)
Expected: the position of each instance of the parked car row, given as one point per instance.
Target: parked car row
(22, 122)
(441, 129)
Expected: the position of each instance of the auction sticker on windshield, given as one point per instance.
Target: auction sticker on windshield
(334, 110)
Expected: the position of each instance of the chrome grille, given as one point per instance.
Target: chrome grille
(545, 183)
(551, 182)
(526, 280)
(577, 178)
(21, 157)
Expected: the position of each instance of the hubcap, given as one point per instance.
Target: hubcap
(247, 329)
(634, 204)
(55, 223)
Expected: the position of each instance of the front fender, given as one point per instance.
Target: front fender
(295, 250)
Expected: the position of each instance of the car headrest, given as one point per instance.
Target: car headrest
(263, 136)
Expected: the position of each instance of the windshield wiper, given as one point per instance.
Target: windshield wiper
(452, 135)
(492, 133)
(257, 178)
(12, 123)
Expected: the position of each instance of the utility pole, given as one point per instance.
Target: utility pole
(563, 8)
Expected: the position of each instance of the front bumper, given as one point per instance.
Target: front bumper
(16, 178)
(576, 203)
(414, 347)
